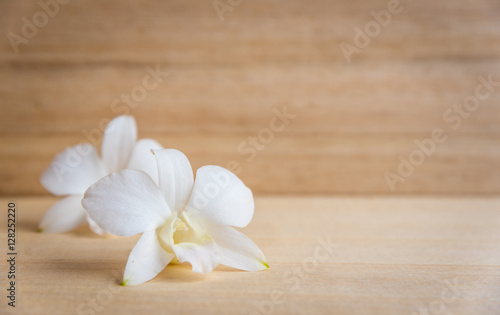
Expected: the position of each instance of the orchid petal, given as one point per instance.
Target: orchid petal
(143, 160)
(73, 171)
(118, 142)
(221, 198)
(93, 226)
(237, 250)
(146, 260)
(202, 257)
(175, 177)
(126, 203)
(65, 215)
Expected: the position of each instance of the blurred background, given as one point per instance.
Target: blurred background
(297, 97)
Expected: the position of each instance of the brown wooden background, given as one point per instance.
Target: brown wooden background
(353, 119)
(394, 254)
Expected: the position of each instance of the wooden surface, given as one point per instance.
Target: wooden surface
(389, 256)
(395, 254)
(352, 121)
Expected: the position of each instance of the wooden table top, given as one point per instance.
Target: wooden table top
(327, 255)
(353, 120)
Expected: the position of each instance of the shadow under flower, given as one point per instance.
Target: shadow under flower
(179, 272)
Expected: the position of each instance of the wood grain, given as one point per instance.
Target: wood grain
(295, 164)
(405, 254)
(388, 256)
(225, 79)
(382, 98)
(256, 32)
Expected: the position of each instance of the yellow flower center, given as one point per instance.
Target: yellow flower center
(179, 229)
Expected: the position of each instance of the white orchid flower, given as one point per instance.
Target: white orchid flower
(180, 218)
(78, 167)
